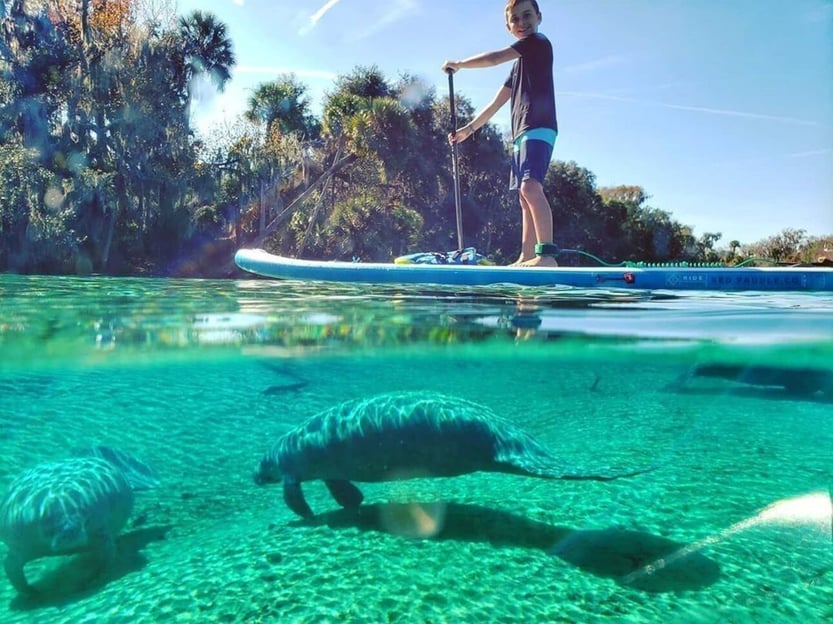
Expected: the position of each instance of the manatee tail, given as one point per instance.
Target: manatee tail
(533, 460)
(558, 473)
(605, 477)
(138, 473)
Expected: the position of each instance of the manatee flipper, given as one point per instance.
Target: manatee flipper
(103, 547)
(14, 570)
(294, 498)
(346, 494)
(71, 534)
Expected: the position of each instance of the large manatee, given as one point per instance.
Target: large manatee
(399, 436)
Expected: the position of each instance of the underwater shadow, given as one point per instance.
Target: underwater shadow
(292, 381)
(70, 581)
(609, 553)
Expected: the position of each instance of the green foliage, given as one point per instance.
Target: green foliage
(786, 246)
(21, 180)
(816, 249)
(387, 131)
(207, 218)
(283, 104)
(367, 227)
(35, 59)
(572, 193)
(339, 111)
(103, 106)
(633, 230)
(364, 82)
(34, 224)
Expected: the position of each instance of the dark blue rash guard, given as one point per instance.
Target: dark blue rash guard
(531, 83)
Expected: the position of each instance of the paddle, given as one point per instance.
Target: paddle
(454, 171)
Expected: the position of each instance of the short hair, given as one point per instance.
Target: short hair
(511, 4)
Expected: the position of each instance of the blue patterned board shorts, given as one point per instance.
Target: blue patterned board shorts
(531, 154)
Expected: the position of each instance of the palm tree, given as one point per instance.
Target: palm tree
(283, 103)
(365, 82)
(206, 49)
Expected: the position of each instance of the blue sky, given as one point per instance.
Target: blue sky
(721, 110)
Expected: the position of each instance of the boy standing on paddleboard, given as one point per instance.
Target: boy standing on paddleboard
(534, 127)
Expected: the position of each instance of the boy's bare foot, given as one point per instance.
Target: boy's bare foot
(540, 261)
(520, 261)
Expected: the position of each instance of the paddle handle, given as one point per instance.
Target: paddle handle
(455, 174)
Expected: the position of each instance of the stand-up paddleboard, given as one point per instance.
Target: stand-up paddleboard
(771, 279)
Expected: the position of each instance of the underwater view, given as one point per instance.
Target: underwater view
(256, 450)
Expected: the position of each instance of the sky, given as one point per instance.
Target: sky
(721, 110)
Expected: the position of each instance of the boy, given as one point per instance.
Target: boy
(534, 127)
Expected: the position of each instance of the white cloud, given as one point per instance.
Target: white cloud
(697, 109)
(316, 17)
(605, 62)
(395, 11)
(239, 2)
(375, 18)
(811, 153)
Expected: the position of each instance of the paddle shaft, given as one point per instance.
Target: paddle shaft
(454, 169)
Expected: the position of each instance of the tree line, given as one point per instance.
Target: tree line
(101, 170)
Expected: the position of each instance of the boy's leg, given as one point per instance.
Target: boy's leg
(530, 161)
(540, 213)
(532, 192)
(527, 233)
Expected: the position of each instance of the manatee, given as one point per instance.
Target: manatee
(75, 505)
(400, 436)
(795, 380)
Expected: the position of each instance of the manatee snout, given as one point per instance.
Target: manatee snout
(267, 472)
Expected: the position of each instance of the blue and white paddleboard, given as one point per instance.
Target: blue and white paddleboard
(260, 262)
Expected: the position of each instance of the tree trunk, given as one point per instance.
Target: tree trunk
(314, 217)
(287, 212)
(262, 209)
(337, 166)
(108, 239)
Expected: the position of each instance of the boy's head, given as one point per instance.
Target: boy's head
(522, 17)
(511, 4)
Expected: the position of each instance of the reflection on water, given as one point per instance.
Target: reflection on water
(728, 394)
(71, 316)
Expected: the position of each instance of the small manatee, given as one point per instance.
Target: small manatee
(75, 505)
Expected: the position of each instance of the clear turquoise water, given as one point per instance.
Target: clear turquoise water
(199, 377)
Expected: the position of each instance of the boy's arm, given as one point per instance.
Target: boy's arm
(485, 59)
(501, 97)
